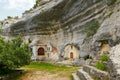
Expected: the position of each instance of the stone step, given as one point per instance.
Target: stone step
(96, 73)
(75, 76)
(83, 75)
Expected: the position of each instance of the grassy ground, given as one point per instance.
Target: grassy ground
(62, 71)
(52, 68)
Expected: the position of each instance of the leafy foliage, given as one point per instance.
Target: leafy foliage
(104, 57)
(100, 66)
(27, 11)
(9, 17)
(36, 4)
(13, 54)
(52, 68)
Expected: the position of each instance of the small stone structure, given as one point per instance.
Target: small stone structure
(70, 52)
(43, 51)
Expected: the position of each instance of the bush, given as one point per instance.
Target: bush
(13, 54)
(37, 3)
(27, 11)
(100, 66)
(9, 17)
(104, 57)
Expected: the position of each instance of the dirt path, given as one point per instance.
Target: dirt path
(40, 75)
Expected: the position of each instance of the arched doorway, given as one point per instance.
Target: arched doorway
(41, 51)
(71, 55)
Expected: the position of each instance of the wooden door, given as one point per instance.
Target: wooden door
(41, 51)
(71, 55)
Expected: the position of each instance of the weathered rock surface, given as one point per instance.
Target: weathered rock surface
(110, 27)
(96, 73)
(114, 63)
(62, 21)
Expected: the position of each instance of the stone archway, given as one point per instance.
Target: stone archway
(41, 51)
(71, 55)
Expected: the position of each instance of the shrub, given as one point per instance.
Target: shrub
(104, 57)
(36, 4)
(13, 54)
(9, 17)
(100, 66)
(27, 11)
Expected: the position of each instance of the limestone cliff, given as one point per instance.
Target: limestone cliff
(84, 24)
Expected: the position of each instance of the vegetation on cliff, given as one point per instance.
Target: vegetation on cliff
(35, 6)
(100, 64)
(111, 2)
(91, 28)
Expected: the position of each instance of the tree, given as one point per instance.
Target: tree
(9, 17)
(13, 54)
(37, 3)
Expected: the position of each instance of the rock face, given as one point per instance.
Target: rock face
(90, 73)
(61, 22)
(88, 26)
(114, 63)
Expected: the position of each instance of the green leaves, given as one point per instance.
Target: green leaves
(13, 53)
(100, 66)
(104, 57)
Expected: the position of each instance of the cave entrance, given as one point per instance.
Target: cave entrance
(71, 55)
(41, 51)
(105, 47)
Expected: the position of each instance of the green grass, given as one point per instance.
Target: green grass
(49, 67)
(62, 71)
